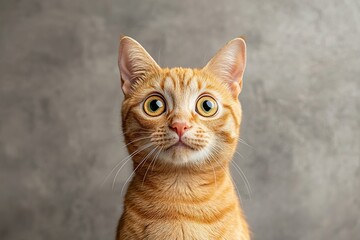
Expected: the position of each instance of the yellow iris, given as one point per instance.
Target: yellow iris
(154, 106)
(206, 106)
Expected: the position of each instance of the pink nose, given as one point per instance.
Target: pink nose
(179, 128)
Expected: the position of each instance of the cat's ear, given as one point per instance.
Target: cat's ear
(229, 63)
(134, 63)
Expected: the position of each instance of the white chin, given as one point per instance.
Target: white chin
(181, 155)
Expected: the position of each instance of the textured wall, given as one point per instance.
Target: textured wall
(60, 98)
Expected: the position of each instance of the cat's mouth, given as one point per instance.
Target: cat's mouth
(180, 145)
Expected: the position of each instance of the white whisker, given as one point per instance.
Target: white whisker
(243, 177)
(128, 159)
(122, 161)
(136, 132)
(245, 143)
(243, 174)
(136, 140)
(154, 158)
(230, 177)
(133, 172)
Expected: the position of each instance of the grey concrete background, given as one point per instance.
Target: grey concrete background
(60, 97)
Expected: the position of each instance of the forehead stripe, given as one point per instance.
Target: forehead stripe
(168, 83)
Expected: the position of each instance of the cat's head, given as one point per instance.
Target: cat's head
(181, 115)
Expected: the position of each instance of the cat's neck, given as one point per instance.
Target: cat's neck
(182, 182)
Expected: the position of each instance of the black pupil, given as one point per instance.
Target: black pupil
(155, 105)
(208, 105)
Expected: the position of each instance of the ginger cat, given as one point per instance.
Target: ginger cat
(182, 128)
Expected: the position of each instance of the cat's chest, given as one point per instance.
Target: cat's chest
(181, 230)
(193, 231)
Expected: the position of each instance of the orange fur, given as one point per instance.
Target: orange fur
(180, 192)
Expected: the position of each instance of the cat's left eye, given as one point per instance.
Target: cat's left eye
(206, 106)
(154, 106)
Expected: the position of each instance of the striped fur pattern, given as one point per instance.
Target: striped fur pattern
(182, 188)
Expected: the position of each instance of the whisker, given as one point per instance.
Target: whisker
(156, 157)
(121, 161)
(245, 143)
(133, 172)
(230, 177)
(143, 131)
(142, 184)
(136, 167)
(128, 159)
(136, 140)
(227, 173)
(243, 174)
(243, 177)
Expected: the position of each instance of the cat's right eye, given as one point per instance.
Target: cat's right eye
(154, 106)
(206, 106)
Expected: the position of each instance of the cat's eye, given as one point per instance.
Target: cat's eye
(154, 106)
(206, 106)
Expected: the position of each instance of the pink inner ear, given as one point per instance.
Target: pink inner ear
(124, 69)
(229, 64)
(238, 69)
(133, 62)
(125, 73)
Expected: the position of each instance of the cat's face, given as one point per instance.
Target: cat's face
(179, 115)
